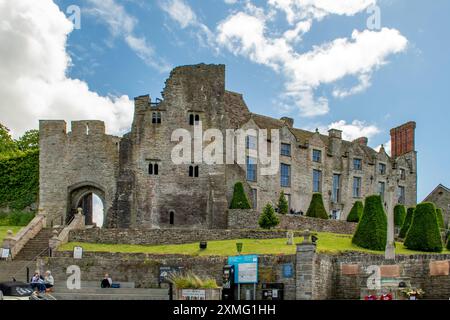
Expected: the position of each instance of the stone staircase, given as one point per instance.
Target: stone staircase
(36, 246)
(16, 269)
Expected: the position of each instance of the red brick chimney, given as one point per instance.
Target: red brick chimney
(403, 139)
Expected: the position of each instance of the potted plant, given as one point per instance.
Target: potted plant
(189, 286)
(412, 293)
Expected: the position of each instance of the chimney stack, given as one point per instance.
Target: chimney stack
(403, 139)
(335, 133)
(288, 121)
(363, 141)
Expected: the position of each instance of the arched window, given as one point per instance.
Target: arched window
(191, 119)
(155, 169)
(191, 171)
(197, 119)
(196, 171)
(150, 169)
(171, 217)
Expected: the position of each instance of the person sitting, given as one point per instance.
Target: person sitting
(37, 283)
(49, 282)
(106, 282)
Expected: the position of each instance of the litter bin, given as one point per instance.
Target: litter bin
(272, 291)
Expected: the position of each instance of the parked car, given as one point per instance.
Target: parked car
(16, 290)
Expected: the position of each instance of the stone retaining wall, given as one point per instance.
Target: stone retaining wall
(248, 219)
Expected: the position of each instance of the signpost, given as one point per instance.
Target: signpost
(246, 271)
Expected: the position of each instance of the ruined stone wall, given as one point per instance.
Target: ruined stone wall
(248, 219)
(74, 164)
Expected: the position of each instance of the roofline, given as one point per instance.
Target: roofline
(439, 186)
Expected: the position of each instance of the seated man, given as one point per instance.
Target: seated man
(37, 283)
(106, 282)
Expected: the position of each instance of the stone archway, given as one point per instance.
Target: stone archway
(82, 195)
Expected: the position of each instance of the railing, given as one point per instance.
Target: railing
(60, 218)
(76, 222)
(28, 263)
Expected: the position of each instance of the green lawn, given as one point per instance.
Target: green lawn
(4, 230)
(327, 243)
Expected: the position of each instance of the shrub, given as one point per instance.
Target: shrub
(407, 222)
(192, 281)
(316, 208)
(16, 218)
(424, 235)
(356, 212)
(371, 231)
(283, 205)
(440, 218)
(240, 199)
(268, 218)
(448, 243)
(399, 215)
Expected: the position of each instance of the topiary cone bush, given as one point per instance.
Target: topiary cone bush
(371, 231)
(356, 212)
(399, 215)
(283, 205)
(240, 199)
(440, 218)
(424, 235)
(316, 208)
(448, 243)
(407, 222)
(268, 218)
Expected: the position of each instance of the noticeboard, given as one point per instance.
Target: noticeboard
(4, 253)
(245, 268)
(77, 252)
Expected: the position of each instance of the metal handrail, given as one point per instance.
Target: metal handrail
(28, 263)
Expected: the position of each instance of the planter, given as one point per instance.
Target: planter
(198, 294)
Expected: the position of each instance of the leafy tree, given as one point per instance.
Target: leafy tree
(29, 141)
(424, 235)
(407, 223)
(240, 199)
(356, 212)
(371, 231)
(268, 218)
(316, 208)
(399, 215)
(7, 144)
(283, 205)
(440, 218)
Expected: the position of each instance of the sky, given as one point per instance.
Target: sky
(362, 66)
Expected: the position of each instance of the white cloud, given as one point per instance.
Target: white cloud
(354, 130)
(230, 1)
(179, 11)
(121, 24)
(33, 68)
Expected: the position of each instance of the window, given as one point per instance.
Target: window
(356, 187)
(336, 194)
(381, 189)
(285, 175)
(286, 149)
(254, 194)
(191, 119)
(382, 168)
(251, 169)
(317, 156)
(193, 171)
(171, 217)
(156, 117)
(250, 142)
(336, 215)
(402, 174)
(357, 164)
(401, 195)
(194, 119)
(153, 169)
(197, 119)
(317, 181)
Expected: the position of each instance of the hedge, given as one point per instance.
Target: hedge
(399, 215)
(16, 218)
(424, 234)
(316, 208)
(356, 212)
(283, 205)
(268, 218)
(371, 231)
(240, 199)
(19, 179)
(407, 223)
(440, 218)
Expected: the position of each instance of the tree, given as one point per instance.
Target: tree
(399, 215)
(240, 199)
(448, 243)
(283, 205)
(440, 218)
(316, 208)
(356, 212)
(268, 218)
(407, 222)
(424, 235)
(29, 141)
(371, 231)
(6, 142)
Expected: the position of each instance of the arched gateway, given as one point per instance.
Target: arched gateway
(81, 195)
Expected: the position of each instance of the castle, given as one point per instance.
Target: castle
(140, 186)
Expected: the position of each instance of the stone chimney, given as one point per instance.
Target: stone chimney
(288, 121)
(403, 139)
(363, 141)
(335, 133)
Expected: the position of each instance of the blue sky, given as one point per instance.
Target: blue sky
(126, 48)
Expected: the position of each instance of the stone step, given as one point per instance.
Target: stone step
(98, 290)
(103, 296)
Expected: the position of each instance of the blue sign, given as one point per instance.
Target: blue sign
(245, 268)
(288, 270)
